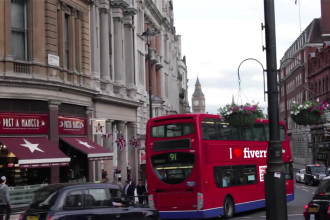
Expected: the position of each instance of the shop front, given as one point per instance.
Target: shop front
(82, 151)
(26, 154)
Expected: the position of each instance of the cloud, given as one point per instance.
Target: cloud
(218, 35)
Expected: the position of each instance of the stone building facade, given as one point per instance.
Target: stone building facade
(88, 59)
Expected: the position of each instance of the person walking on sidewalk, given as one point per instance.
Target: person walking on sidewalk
(4, 199)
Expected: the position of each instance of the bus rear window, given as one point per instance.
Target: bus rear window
(173, 168)
(172, 130)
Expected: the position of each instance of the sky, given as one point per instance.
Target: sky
(217, 35)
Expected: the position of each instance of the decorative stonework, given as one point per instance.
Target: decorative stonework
(104, 10)
(119, 4)
(130, 11)
(80, 15)
(65, 7)
(74, 12)
(118, 19)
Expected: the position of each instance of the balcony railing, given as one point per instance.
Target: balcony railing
(22, 68)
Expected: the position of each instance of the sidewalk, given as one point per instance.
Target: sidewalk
(297, 167)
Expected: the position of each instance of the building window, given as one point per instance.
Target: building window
(67, 51)
(19, 29)
(141, 67)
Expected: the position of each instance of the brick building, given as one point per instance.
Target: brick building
(300, 81)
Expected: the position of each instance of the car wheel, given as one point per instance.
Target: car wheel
(296, 180)
(228, 208)
(306, 183)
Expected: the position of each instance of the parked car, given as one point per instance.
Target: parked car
(84, 201)
(315, 173)
(300, 176)
(319, 207)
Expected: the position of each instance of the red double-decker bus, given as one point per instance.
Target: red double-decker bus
(199, 167)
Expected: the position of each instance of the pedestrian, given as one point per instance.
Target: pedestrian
(4, 199)
(141, 191)
(130, 190)
(120, 191)
(126, 189)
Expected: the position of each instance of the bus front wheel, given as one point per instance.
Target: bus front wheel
(228, 207)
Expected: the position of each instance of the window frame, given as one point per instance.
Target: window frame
(183, 124)
(240, 133)
(67, 40)
(107, 195)
(74, 208)
(238, 170)
(25, 31)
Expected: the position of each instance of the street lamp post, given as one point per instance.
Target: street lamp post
(275, 190)
(149, 35)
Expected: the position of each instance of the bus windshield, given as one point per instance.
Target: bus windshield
(173, 168)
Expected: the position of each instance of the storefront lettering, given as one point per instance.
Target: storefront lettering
(21, 123)
(72, 124)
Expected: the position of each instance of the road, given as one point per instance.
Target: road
(303, 194)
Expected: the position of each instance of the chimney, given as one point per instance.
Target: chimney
(325, 18)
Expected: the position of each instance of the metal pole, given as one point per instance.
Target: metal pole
(275, 191)
(150, 80)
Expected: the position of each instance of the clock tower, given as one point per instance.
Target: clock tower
(198, 99)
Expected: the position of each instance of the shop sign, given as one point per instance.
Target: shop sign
(142, 157)
(71, 125)
(99, 158)
(41, 165)
(98, 126)
(321, 156)
(23, 124)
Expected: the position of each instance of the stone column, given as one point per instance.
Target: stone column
(53, 106)
(122, 154)
(131, 131)
(104, 42)
(107, 143)
(89, 116)
(129, 50)
(38, 32)
(159, 83)
(98, 167)
(118, 51)
(93, 41)
(154, 80)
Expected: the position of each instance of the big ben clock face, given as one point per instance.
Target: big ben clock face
(196, 102)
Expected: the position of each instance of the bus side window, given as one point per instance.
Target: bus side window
(258, 132)
(224, 131)
(282, 132)
(208, 129)
(227, 176)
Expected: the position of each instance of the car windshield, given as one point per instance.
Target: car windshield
(318, 169)
(302, 171)
(44, 199)
(324, 187)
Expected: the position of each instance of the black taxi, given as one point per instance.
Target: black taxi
(319, 207)
(84, 201)
(315, 173)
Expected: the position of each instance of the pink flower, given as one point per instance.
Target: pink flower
(310, 109)
(320, 113)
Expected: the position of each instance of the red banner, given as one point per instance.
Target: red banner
(23, 124)
(71, 125)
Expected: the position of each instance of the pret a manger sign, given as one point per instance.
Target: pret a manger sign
(246, 153)
(23, 124)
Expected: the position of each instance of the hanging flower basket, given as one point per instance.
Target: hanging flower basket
(241, 116)
(309, 112)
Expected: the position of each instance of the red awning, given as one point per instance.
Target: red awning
(35, 152)
(88, 147)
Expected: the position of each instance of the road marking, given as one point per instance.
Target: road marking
(306, 190)
(295, 214)
(313, 193)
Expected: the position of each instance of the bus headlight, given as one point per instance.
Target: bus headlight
(199, 201)
(151, 201)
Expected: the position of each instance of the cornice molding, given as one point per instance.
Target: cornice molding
(154, 11)
(130, 11)
(118, 101)
(119, 4)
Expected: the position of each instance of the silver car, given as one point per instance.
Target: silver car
(300, 176)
